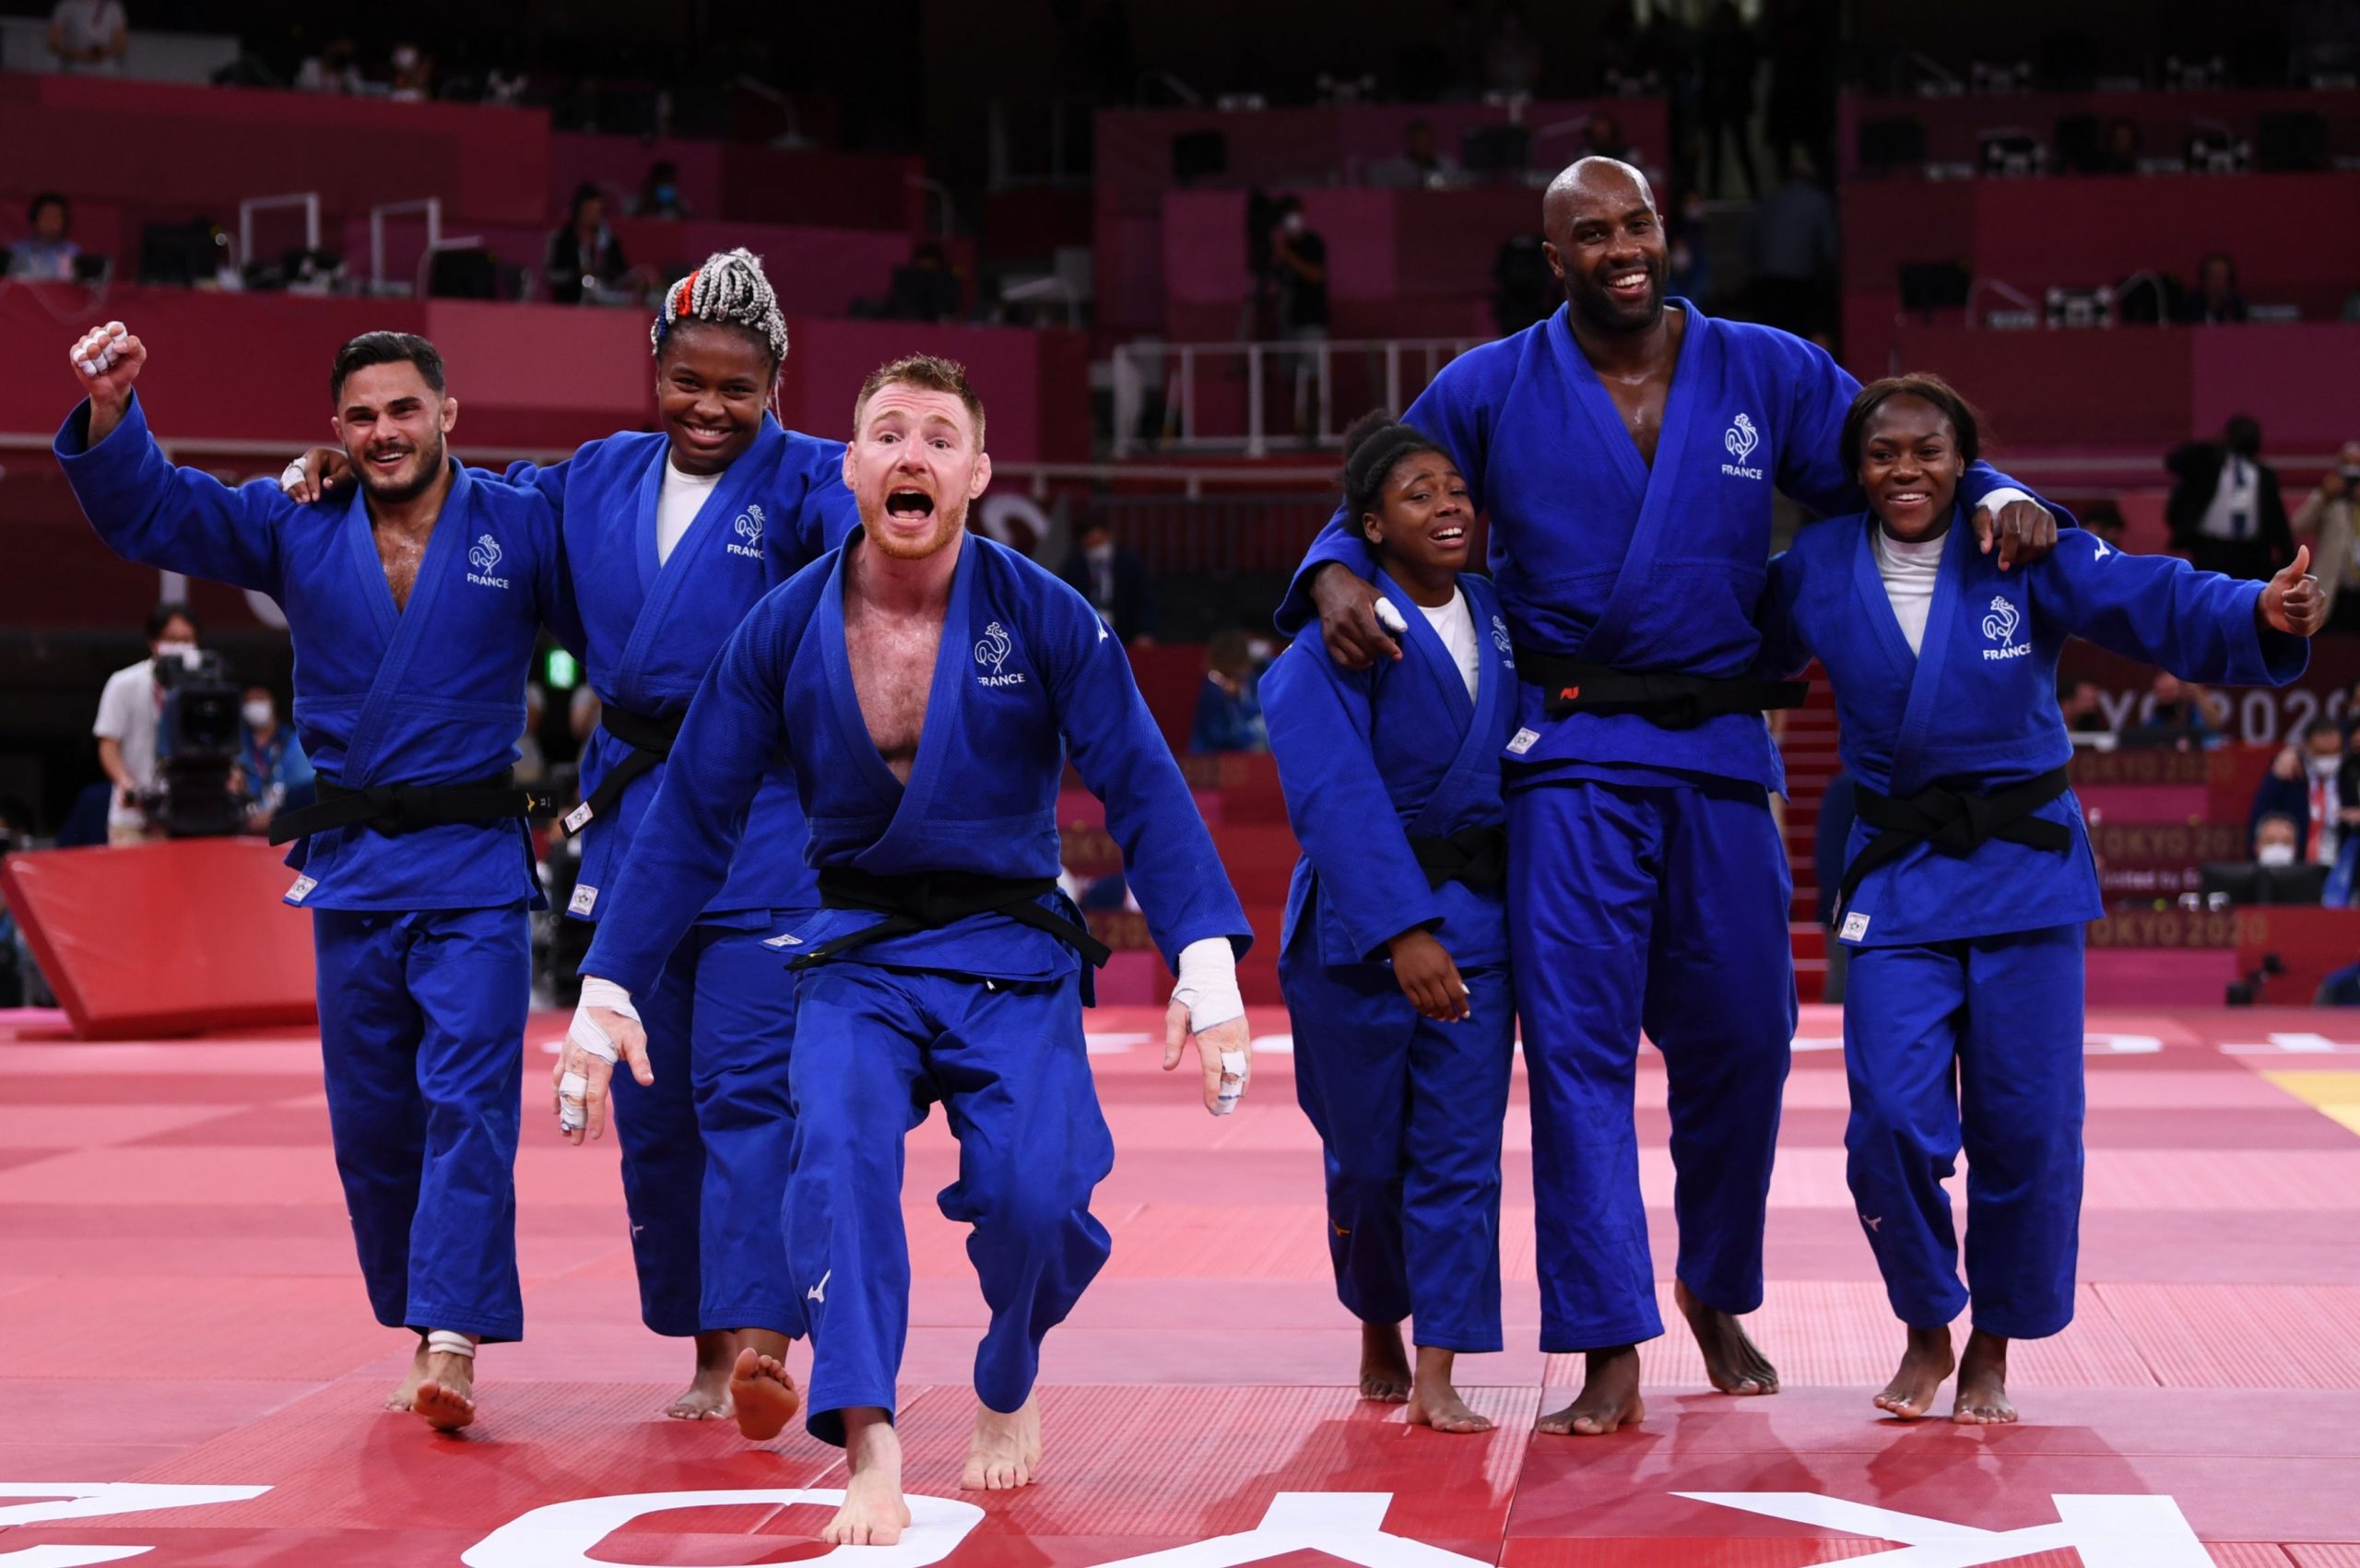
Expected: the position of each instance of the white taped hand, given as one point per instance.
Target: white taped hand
(604, 1031)
(1206, 1007)
(100, 348)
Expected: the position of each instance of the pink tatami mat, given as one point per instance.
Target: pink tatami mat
(179, 1308)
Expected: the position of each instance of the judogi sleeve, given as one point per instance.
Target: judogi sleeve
(180, 520)
(1369, 877)
(680, 857)
(826, 514)
(2159, 610)
(1168, 855)
(1453, 411)
(1811, 465)
(1785, 652)
(560, 611)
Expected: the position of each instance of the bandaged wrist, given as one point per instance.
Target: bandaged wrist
(597, 993)
(1994, 499)
(1208, 983)
(291, 475)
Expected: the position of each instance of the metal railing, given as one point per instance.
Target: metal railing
(428, 207)
(1217, 396)
(309, 201)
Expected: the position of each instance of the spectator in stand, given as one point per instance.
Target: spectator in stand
(584, 255)
(1299, 256)
(1512, 55)
(88, 36)
(273, 775)
(2277, 840)
(45, 255)
(2083, 706)
(335, 68)
(2224, 508)
(2119, 153)
(1228, 708)
(1602, 138)
(659, 194)
(1114, 579)
(2324, 521)
(1793, 249)
(413, 77)
(128, 709)
(1421, 161)
(2215, 300)
(2312, 787)
(2177, 716)
(1725, 106)
(2104, 518)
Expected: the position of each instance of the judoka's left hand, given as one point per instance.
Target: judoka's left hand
(1226, 1050)
(2023, 530)
(606, 1029)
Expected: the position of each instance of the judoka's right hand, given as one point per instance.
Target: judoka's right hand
(318, 471)
(2293, 602)
(1348, 622)
(597, 1038)
(1427, 974)
(106, 361)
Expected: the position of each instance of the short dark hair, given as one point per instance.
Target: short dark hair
(1374, 447)
(384, 348)
(2322, 726)
(928, 371)
(171, 610)
(48, 198)
(1966, 425)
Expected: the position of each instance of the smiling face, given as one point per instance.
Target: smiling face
(1421, 526)
(1910, 465)
(392, 424)
(914, 466)
(1606, 245)
(712, 385)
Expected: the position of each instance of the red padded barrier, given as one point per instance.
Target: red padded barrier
(165, 938)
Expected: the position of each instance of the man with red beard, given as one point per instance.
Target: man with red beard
(926, 687)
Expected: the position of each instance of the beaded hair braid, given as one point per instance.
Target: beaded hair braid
(728, 290)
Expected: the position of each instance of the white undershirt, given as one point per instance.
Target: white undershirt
(2230, 513)
(1909, 571)
(677, 505)
(1455, 624)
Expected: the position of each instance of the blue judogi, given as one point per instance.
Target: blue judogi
(1962, 1012)
(424, 963)
(1409, 1111)
(704, 1148)
(1650, 888)
(982, 1013)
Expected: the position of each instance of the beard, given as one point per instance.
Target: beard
(949, 521)
(412, 483)
(1603, 313)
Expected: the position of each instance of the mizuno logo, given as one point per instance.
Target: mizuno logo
(819, 1292)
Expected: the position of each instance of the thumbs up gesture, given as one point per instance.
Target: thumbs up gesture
(2293, 602)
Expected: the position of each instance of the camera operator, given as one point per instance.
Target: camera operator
(128, 712)
(2325, 521)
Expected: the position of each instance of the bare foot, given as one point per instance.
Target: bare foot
(706, 1398)
(445, 1396)
(405, 1394)
(765, 1399)
(1005, 1453)
(1983, 1382)
(1924, 1366)
(1731, 1360)
(1385, 1366)
(1434, 1402)
(873, 1513)
(1610, 1397)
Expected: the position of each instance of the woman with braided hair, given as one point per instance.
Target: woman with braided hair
(669, 539)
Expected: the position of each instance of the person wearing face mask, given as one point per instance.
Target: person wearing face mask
(2274, 841)
(272, 775)
(1114, 579)
(128, 710)
(1969, 876)
(1298, 261)
(659, 194)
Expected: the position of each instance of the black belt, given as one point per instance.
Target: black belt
(1955, 821)
(1675, 701)
(929, 900)
(1476, 856)
(406, 807)
(650, 741)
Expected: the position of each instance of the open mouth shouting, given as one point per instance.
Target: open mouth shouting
(1449, 539)
(905, 504)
